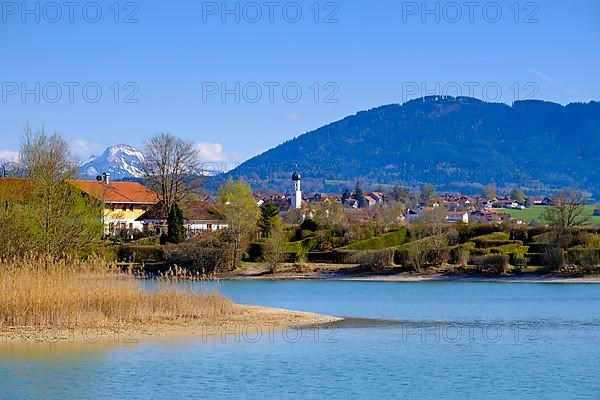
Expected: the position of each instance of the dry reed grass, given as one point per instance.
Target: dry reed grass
(42, 292)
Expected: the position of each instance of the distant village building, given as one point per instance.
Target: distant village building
(198, 216)
(124, 203)
(352, 203)
(490, 216)
(412, 216)
(297, 195)
(458, 216)
(369, 201)
(377, 197)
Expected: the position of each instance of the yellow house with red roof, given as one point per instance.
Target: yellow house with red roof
(124, 203)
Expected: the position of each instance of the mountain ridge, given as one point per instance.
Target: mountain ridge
(454, 142)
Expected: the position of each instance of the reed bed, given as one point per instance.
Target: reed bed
(42, 292)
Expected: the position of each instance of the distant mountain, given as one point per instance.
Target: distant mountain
(9, 168)
(121, 161)
(455, 143)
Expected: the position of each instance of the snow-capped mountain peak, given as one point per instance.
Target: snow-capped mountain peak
(122, 161)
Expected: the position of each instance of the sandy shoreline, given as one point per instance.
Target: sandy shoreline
(249, 322)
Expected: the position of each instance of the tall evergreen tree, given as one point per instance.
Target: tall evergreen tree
(359, 195)
(269, 217)
(176, 231)
(346, 195)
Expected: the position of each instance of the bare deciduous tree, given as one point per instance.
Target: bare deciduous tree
(434, 227)
(568, 211)
(170, 164)
(46, 158)
(53, 216)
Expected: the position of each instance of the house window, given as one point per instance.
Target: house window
(124, 207)
(209, 227)
(131, 207)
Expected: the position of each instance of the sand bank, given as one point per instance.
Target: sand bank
(246, 321)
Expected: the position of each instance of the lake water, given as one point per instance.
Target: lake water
(408, 340)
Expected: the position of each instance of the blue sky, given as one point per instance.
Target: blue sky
(228, 75)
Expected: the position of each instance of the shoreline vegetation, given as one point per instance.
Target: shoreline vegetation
(43, 299)
(325, 273)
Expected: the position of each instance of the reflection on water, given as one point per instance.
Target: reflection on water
(415, 340)
(53, 352)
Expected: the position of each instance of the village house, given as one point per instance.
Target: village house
(378, 197)
(506, 204)
(124, 203)
(481, 203)
(457, 216)
(465, 201)
(369, 201)
(199, 216)
(547, 201)
(412, 216)
(352, 203)
(490, 216)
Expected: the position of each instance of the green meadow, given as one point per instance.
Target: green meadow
(536, 213)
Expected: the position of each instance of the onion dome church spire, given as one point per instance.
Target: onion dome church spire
(297, 196)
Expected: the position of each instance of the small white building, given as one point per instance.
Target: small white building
(198, 216)
(457, 216)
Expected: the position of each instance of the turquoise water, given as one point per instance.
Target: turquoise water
(408, 340)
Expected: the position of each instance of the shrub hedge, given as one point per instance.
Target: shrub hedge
(387, 240)
(492, 263)
(467, 232)
(374, 260)
(141, 253)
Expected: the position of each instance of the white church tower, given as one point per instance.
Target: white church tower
(297, 196)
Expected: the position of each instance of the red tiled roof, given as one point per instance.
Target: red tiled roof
(118, 192)
(15, 189)
(369, 199)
